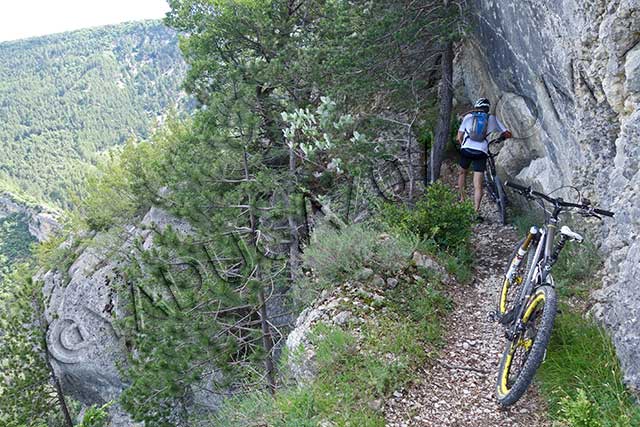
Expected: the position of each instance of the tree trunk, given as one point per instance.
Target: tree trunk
(44, 327)
(443, 128)
(267, 340)
(294, 235)
(410, 161)
(60, 395)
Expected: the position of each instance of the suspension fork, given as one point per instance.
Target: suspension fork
(549, 252)
(527, 290)
(522, 251)
(510, 279)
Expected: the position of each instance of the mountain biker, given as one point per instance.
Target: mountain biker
(472, 138)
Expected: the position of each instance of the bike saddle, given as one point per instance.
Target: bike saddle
(566, 231)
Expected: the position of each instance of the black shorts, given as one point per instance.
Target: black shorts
(470, 156)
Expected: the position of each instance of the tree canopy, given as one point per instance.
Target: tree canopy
(297, 103)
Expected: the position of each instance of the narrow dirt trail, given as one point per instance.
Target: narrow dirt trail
(457, 388)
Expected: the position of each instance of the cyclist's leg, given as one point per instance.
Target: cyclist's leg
(477, 189)
(479, 166)
(465, 162)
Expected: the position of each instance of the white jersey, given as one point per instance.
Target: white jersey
(465, 127)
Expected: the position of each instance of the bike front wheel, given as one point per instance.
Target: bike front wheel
(512, 284)
(524, 354)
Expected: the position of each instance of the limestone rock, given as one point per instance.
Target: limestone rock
(81, 308)
(340, 307)
(42, 222)
(429, 263)
(43, 225)
(392, 282)
(565, 78)
(424, 261)
(378, 281)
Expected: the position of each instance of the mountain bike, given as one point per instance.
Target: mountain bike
(494, 184)
(527, 301)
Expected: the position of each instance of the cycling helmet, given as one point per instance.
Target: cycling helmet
(482, 104)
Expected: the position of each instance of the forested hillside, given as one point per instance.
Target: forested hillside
(65, 98)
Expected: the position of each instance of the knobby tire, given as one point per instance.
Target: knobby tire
(501, 200)
(512, 385)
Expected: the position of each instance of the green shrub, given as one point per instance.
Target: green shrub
(96, 416)
(335, 256)
(438, 216)
(578, 411)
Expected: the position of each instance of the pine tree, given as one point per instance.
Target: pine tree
(30, 394)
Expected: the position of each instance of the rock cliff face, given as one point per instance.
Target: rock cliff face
(82, 306)
(565, 77)
(42, 223)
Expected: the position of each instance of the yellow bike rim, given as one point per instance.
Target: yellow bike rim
(534, 303)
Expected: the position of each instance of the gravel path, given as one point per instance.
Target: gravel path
(457, 389)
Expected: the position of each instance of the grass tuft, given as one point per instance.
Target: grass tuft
(581, 376)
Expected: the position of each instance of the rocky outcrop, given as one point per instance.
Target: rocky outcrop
(350, 306)
(42, 223)
(82, 306)
(344, 305)
(565, 77)
(84, 343)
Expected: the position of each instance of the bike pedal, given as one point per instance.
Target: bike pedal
(493, 317)
(507, 318)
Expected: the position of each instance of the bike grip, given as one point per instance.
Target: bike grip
(603, 212)
(516, 186)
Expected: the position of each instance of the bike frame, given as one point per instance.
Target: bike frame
(539, 273)
(521, 320)
(491, 183)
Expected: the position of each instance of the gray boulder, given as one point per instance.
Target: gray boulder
(82, 306)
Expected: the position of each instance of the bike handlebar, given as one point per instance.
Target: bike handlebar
(528, 192)
(497, 140)
(603, 212)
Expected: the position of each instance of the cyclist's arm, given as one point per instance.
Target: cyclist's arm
(464, 125)
(499, 127)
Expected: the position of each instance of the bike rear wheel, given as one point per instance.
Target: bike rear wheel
(501, 200)
(525, 353)
(490, 185)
